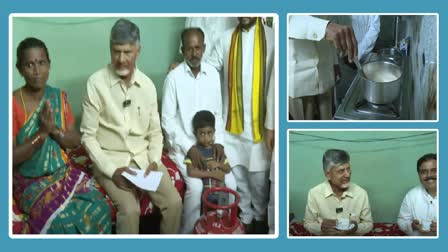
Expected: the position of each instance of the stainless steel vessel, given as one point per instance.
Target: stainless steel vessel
(382, 81)
(391, 54)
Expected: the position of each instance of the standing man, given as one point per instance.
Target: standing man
(191, 87)
(244, 55)
(337, 200)
(311, 62)
(418, 212)
(121, 129)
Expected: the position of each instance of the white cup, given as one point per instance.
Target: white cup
(426, 225)
(343, 224)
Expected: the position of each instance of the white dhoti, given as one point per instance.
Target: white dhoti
(250, 162)
(271, 205)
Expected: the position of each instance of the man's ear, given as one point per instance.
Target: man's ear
(139, 50)
(327, 174)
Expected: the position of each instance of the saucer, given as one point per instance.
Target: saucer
(339, 227)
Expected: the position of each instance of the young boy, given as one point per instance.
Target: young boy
(214, 174)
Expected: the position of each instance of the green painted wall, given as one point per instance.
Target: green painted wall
(386, 169)
(79, 46)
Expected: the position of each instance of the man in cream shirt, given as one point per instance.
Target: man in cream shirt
(311, 59)
(418, 212)
(337, 200)
(121, 128)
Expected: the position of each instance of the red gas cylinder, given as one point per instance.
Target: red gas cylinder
(219, 219)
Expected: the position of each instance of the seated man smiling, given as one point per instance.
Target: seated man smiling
(337, 207)
(418, 212)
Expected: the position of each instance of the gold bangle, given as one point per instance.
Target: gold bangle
(35, 140)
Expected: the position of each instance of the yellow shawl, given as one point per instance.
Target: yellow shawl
(235, 117)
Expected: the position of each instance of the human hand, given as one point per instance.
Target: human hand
(218, 152)
(433, 227)
(343, 38)
(426, 230)
(337, 72)
(328, 225)
(46, 118)
(120, 181)
(151, 167)
(196, 158)
(218, 174)
(212, 165)
(269, 139)
(416, 225)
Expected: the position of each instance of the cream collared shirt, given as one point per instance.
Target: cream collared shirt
(115, 135)
(323, 204)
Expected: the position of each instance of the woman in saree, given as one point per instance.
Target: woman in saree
(55, 197)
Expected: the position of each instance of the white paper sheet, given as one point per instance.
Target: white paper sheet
(149, 183)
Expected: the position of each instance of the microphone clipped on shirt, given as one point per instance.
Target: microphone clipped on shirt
(126, 103)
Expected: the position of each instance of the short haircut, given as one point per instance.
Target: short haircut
(26, 44)
(124, 32)
(186, 31)
(334, 157)
(202, 119)
(424, 158)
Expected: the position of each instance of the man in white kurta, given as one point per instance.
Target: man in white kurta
(311, 60)
(418, 212)
(249, 160)
(191, 87)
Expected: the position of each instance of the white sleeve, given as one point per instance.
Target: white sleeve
(368, 41)
(219, 122)
(216, 58)
(306, 27)
(175, 134)
(405, 216)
